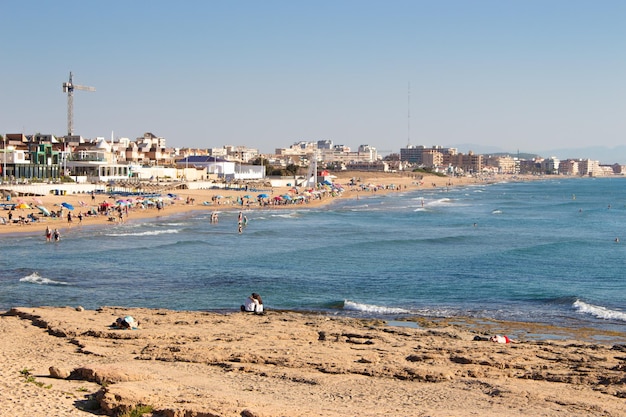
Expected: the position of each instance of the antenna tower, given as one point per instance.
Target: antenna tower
(409, 116)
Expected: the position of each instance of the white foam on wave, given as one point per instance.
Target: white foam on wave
(369, 308)
(147, 233)
(440, 202)
(599, 311)
(35, 278)
(291, 215)
(496, 211)
(359, 207)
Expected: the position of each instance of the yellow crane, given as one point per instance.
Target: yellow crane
(69, 88)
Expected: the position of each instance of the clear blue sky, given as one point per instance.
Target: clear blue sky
(531, 75)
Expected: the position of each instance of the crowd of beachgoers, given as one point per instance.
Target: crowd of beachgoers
(60, 210)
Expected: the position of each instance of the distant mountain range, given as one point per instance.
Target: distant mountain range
(606, 155)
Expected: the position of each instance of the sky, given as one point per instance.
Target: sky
(529, 76)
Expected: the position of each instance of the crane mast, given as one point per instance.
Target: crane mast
(69, 88)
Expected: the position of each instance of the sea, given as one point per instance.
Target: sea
(549, 252)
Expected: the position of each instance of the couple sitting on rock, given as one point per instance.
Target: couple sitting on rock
(253, 304)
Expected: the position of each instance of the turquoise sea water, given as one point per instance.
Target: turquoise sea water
(538, 251)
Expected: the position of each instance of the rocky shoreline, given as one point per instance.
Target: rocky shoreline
(185, 363)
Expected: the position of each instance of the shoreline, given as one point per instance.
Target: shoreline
(83, 202)
(523, 331)
(287, 363)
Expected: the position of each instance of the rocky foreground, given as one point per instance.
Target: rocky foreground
(71, 362)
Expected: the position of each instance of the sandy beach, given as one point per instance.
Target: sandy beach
(187, 200)
(72, 362)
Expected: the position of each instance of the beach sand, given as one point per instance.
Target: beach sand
(228, 201)
(291, 364)
(200, 364)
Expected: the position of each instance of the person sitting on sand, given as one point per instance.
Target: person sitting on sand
(499, 339)
(253, 304)
(127, 322)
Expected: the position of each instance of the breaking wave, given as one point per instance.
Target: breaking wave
(35, 278)
(369, 308)
(599, 311)
(147, 233)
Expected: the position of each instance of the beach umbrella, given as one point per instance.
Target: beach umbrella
(68, 206)
(219, 196)
(287, 197)
(44, 210)
(263, 196)
(247, 196)
(22, 206)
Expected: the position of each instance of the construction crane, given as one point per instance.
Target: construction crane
(69, 88)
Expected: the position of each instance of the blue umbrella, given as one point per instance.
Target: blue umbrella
(68, 206)
(263, 196)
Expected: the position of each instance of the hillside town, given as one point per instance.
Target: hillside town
(72, 158)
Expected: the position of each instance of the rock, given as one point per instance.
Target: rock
(104, 375)
(59, 373)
